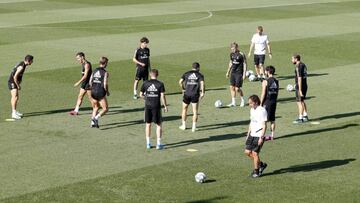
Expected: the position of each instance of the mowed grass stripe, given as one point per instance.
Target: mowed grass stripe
(93, 155)
(305, 174)
(167, 22)
(111, 12)
(121, 46)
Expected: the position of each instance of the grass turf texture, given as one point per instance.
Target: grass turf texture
(50, 156)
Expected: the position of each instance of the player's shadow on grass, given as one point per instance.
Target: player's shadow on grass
(208, 90)
(314, 166)
(338, 116)
(310, 132)
(222, 125)
(121, 124)
(291, 99)
(207, 139)
(210, 200)
(84, 110)
(287, 77)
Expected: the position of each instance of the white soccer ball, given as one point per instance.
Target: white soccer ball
(290, 87)
(252, 78)
(218, 104)
(200, 177)
(249, 72)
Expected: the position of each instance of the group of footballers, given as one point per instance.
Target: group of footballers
(94, 83)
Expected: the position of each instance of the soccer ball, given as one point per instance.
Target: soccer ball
(218, 104)
(249, 72)
(200, 177)
(252, 78)
(290, 87)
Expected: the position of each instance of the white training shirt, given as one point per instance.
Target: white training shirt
(257, 118)
(260, 42)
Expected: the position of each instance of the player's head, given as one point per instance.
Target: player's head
(295, 58)
(154, 73)
(144, 42)
(103, 62)
(29, 59)
(196, 66)
(270, 70)
(254, 101)
(259, 29)
(234, 47)
(80, 56)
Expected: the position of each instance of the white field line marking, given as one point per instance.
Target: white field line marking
(210, 15)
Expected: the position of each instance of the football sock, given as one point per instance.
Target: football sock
(233, 100)
(147, 140)
(300, 117)
(194, 125)
(305, 113)
(97, 117)
(183, 123)
(76, 109)
(158, 141)
(135, 92)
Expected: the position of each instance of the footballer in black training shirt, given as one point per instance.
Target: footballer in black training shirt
(300, 87)
(236, 72)
(269, 95)
(142, 60)
(99, 90)
(193, 86)
(86, 72)
(153, 91)
(14, 81)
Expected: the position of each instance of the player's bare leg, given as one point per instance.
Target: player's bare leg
(233, 95)
(158, 136)
(195, 108)
(242, 102)
(136, 83)
(79, 100)
(14, 99)
(183, 116)
(147, 135)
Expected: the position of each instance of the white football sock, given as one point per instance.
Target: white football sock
(77, 109)
(233, 101)
(158, 141)
(194, 125)
(147, 140)
(135, 92)
(97, 117)
(305, 113)
(183, 123)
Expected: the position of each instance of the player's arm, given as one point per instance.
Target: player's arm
(16, 75)
(202, 89)
(269, 48)
(91, 81)
(263, 91)
(245, 66)
(229, 69)
(263, 130)
(83, 78)
(106, 84)
(163, 98)
(299, 81)
(136, 61)
(251, 48)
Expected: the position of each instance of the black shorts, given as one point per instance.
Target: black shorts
(153, 115)
(12, 86)
(191, 99)
(259, 59)
(252, 144)
(142, 73)
(236, 79)
(297, 95)
(98, 94)
(85, 86)
(270, 107)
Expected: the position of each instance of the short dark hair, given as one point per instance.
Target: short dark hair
(270, 69)
(29, 58)
(144, 39)
(196, 65)
(103, 60)
(155, 72)
(260, 28)
(297, 57)
(255, 99)
(80, 54)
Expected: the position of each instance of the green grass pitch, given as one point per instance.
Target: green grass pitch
(49, 156)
